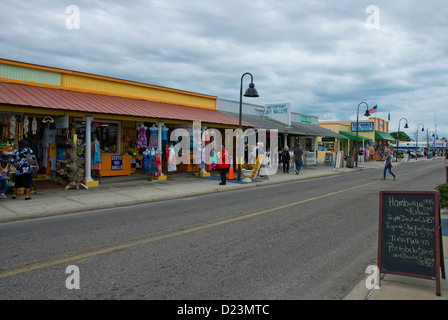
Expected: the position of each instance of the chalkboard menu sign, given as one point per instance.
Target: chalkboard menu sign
(410, 240)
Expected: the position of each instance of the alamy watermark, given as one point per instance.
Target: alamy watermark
(200, 143)
(373, 280)
(73, 280)
(373, 20)
(73, 20)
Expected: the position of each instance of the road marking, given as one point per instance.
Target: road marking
(178, 233)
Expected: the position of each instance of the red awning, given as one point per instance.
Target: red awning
(59, 99)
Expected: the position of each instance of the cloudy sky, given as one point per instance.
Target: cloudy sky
(323, 57)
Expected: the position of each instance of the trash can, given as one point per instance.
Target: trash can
(350, 162)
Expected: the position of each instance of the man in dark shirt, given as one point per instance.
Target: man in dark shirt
(298, 158)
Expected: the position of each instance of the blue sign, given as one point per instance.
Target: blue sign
(363, 126)
(117, 163)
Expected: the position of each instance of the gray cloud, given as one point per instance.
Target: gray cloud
(318, 55)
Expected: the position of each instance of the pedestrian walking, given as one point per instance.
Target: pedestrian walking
(388, 165)
(22, 159)
(223, 164)
(285, 159)
(298, 158)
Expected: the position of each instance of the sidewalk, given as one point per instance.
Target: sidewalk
(138, 189)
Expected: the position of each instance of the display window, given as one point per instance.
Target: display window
(107, 133)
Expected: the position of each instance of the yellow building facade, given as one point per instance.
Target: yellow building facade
(373, 137)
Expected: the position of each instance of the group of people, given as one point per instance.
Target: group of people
(22, 159)
(298, 158)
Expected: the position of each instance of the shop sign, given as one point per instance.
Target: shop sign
(280, 112)
(117, 163)
(305, 119)
(362, 126)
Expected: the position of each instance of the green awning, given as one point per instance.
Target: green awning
(383, 136)
(352, 136)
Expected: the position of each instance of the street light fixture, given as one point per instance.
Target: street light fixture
(416, 139)
(367, 114)
(427, 142)
(398, 132)
(251, 92)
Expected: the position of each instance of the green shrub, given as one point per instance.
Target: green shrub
(443, 192)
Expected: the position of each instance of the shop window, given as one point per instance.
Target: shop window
(106, 132)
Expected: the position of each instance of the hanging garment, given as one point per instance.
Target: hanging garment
(26, 124)
(49, 137)
(142, 142)
(159, 164)
(34, 126)
(153, 136)
(12, 127)
(201, 157)
(213, 160)
(145, 164)
(152, 162)
(96, 163)
(172, 160)
(164, 133)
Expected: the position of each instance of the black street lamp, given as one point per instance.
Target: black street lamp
(428, 144)
(398, 132)
(367, 114)
(416, 139)
(251, 92)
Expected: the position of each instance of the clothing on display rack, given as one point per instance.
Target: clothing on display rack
(201, 156)
(34, 126)
(12, 127)
(158, 164)
(172, 159)
(49, 137)
(164, 133)
(26, 124)
(142, 141)
(96, 163)
(153, 136)
(146, 157)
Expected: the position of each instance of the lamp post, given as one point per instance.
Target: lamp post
(416, 139)
(367, 114)
(398, 132)
(428, 144)
(251, 92)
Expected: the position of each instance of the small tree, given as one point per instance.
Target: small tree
(443, 192)
(402, 136)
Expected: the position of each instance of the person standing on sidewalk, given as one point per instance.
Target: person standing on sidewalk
(298, 158)
(22, 159)
(285, 159)
(388, 165)
(223, 164)
(361, 154)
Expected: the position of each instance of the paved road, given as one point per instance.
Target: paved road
(309, 239)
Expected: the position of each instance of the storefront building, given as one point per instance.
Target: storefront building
(112, 126)
(373, 137)
(292, 129)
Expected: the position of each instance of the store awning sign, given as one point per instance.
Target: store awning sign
(280, 112)
(363, 126)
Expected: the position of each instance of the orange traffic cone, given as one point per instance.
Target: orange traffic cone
(231, 176)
